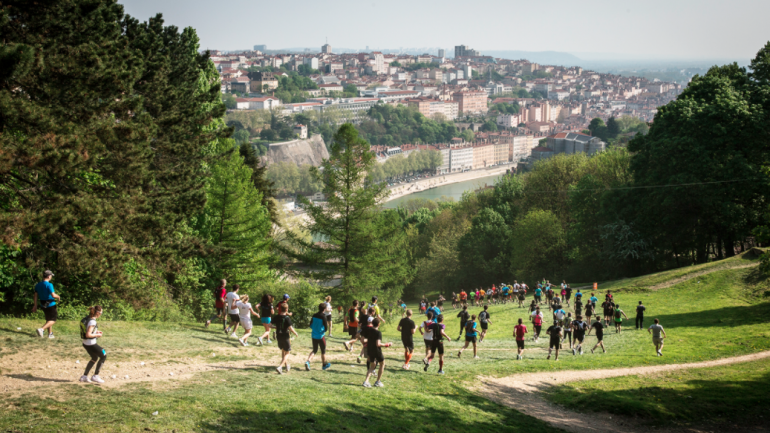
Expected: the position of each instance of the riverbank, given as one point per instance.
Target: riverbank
(446, 179)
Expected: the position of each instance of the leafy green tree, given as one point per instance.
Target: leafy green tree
(484, 251)
(106, 128)
(613, 129)
(712, 136)
(363, 248)
(538, 246)
(236, 223)
(229, 100)
(259, 179)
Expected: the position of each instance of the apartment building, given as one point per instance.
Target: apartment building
(264, 103)
(483, 155)
(471, 101)
(502, 153)
(460, 159)
(262, 81)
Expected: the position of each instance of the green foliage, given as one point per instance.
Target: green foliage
(229, 100)
(292, 88)
(505, 108)
(393, 126)
(234, 221)
(613, 129)
(420, 65)
(399, 166)
(289, 179)
(538, 246)
(363, 248)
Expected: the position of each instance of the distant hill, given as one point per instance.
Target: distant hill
(545, 57)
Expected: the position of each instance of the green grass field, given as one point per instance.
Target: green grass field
(721, 314)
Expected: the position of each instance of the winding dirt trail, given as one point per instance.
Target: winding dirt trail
(522, 392)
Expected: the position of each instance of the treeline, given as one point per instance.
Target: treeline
(398, 166)
(288, 179)
(693, 189)
(126, 185)
(394, 126)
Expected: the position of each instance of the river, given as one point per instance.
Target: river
(454, 190)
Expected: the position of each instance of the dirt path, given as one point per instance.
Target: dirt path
(522, 392)
(19, 374)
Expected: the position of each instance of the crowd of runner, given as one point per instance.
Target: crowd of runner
(363, 319)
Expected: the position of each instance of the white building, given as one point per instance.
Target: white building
(263, 103)
(460, 159)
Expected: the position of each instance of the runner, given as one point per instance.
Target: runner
(318, 330)
(374, 354)
(477, 296)
(589, 311)
(265, 313)
(578, 295)
(463, 315)
(579, 328)
(328, 314)
(284, 301)
(618, 319)
(518, 332)
(578, 307)
(538, 295)
(219, 304)
(470, 337)
(554, 342)
(567, 328)
(232, 311)
(463, 298)
(455, 300)
(427, 335)
(283, 330)
(244, 312)
(407, 327)
(548, 295)
(437, 344)
(363, 324)
(440, 303)
(506, 291)
(434, 309)
(351, 321)
(640, 316)
(403, 308)
(568, 294)
(89, 332)
(607, 308)
(594, 300)
(423, 307)
(657, 339)
(522, 293)
(376, 314)
(515, 290)
(599, 334)
(558, 316)
(484, 321)
(48, 298)
(537, 322)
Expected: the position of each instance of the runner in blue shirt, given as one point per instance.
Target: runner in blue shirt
(538, 294)
(318, 331)
(470, 336)
(44, 293)
(594, 299)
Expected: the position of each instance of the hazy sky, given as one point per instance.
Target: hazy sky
(650, 29)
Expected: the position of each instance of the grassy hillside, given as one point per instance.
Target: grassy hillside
(720, 314)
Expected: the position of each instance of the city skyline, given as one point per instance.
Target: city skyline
(685, 30)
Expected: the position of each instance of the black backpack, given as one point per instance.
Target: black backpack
(84, 327)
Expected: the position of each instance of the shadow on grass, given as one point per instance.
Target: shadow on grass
(721, 317)
(29, 378)
(702, 401)
(20, 333)
(373, 414)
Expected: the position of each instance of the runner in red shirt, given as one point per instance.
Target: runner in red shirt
(219, 304)
(463, 298)
(518, 332)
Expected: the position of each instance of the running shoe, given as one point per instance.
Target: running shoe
(260, 340)
(379, 384)
(50, 336)
(288, 367)
(459, 353)
(40, 332)
(407, 366)
(85, 378)
(367, 385)
(548, 357)
(427, 364)
(441, 372)
(96, 379)
(592, 351)
(574, 351)
(269, 341)
(475, 357)
(326, 366)
(346, 345)
(358, 360)
(581, 351)
(425, 361)
(242, 343)
(208, 322)
(226, 331)
(278, 369)
(604, 351)
(234, 335)
(307, 365)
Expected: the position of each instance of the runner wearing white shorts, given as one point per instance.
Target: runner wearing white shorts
(244, 313)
